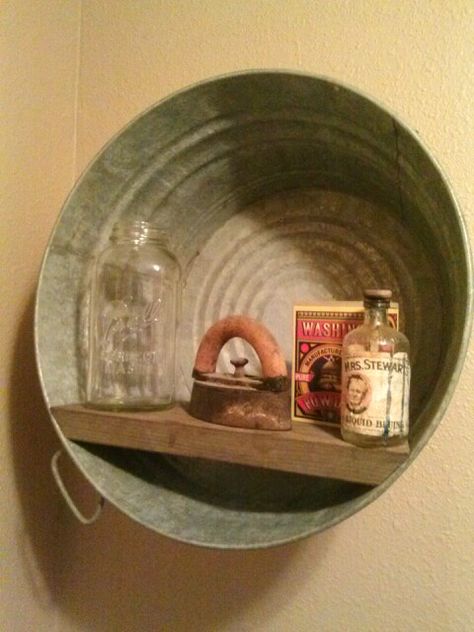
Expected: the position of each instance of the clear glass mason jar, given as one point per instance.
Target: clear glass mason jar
(375, 378)
(132, 323)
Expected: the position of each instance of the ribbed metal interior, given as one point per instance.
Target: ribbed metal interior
(275, 188)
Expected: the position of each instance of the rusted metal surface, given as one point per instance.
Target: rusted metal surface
(238, 399)
(240, 406)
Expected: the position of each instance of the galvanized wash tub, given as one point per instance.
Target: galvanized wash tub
(276, 188)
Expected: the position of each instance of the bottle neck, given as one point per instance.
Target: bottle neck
(375, 316)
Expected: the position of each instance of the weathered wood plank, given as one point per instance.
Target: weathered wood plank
(306, 449)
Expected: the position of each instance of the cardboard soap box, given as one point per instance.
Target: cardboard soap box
(318, 332)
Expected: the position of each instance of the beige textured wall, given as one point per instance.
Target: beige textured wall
(38, 60)
(72, 74)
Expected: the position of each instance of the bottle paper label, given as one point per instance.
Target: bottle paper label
(375, 394)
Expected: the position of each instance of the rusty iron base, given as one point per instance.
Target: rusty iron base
(241, 407)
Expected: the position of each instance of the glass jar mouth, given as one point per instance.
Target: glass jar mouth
(137, 231)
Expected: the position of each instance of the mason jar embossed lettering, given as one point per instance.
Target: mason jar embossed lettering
(132, 321)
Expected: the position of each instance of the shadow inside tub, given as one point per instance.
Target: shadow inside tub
(231, 486)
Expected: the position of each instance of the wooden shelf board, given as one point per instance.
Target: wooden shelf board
(306, 449)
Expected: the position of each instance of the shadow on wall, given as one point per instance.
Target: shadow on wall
(116, 574)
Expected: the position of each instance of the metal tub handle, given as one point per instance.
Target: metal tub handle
(62, 488)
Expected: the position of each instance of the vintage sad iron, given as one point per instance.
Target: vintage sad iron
(238, 399)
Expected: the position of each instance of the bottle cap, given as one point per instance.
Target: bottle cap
(381, 295)
(377, 298)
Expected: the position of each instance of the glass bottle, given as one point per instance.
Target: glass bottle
(375, 378)
(132, 324)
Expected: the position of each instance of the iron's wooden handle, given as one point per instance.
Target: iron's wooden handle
(256, 334)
